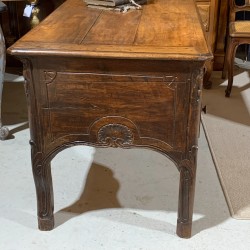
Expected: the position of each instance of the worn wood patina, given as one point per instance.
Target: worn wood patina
(108, 79)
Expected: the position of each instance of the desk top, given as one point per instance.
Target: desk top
(163, 29)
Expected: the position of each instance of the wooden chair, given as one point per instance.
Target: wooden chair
(238, 33)
(3, 130)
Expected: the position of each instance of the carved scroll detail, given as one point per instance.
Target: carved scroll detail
(115, 135)
(49, 76)
(171, 81)
(197, 86)
(36, 158)
(27, 78)
(199, 80)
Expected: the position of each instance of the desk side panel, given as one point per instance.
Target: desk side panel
(114, 102)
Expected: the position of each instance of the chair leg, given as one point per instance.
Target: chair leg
(224, 70)
(225, 66)
(233, 45)
(4, 132)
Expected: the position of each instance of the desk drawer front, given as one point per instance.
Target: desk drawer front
(150, 107)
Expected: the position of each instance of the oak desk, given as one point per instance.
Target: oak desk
(115, 80)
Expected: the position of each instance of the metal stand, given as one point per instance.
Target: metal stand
(4, 131)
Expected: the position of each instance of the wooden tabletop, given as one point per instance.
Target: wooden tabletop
(163, 29)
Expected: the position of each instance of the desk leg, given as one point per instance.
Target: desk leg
(186, 199)
(44, 192)
(4, 132)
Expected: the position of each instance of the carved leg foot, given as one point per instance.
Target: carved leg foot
(45, 201)
(186, 202)
(46, 224)
(184, 230)
(227, 93)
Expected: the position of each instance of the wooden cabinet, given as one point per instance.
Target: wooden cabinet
(219, 50)
(208, 12)
(213, 14)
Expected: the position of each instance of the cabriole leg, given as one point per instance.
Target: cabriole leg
(186, 201)
(44, 192)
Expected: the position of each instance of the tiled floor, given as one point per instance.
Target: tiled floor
(107, 198)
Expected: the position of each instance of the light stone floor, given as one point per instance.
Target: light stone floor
(107, 198)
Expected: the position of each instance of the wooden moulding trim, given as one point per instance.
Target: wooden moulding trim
(124, 52)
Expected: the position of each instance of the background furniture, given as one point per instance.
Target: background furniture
(213, 15)
(219, 47)
(115, 80)
(3, 130)
(238, 33)
(208, 10)
(14, 26)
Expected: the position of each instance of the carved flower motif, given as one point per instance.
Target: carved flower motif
(115, 135)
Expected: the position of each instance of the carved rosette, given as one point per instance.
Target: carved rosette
(115, 135)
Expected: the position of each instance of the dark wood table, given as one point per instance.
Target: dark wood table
(108, 79)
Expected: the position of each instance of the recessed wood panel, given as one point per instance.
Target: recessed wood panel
(148, 101)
